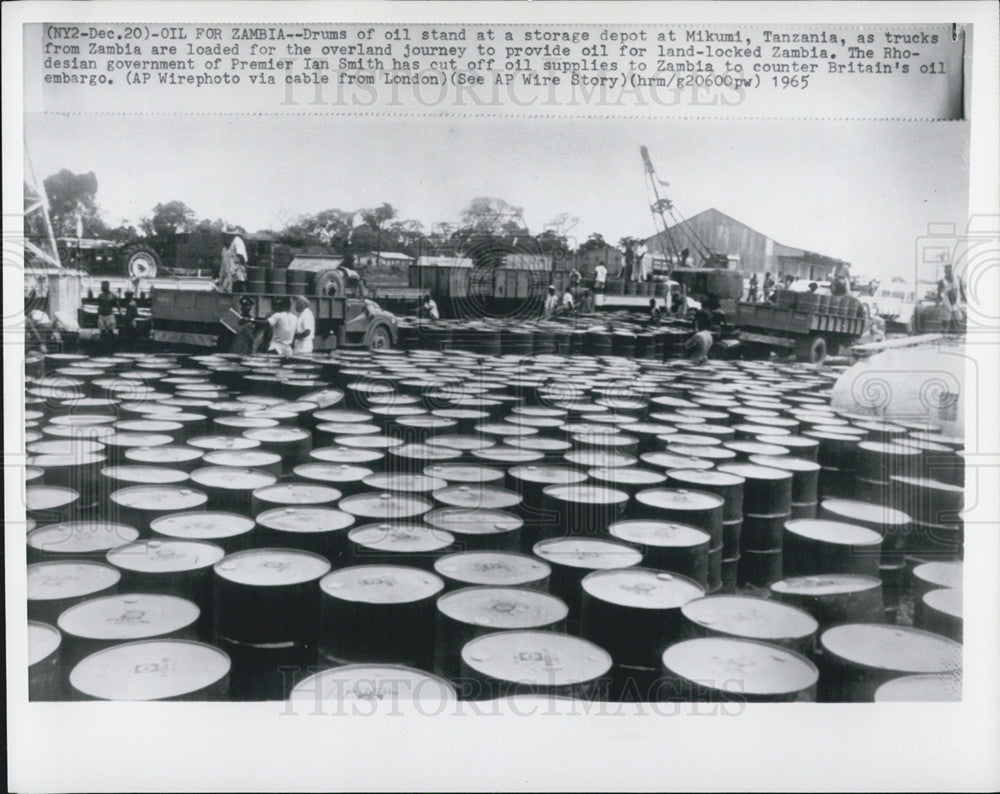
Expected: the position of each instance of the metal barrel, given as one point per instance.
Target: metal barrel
(798, 446)
(859, 657)
(700, 509)
(50, 504)
(268, 597)
(293, 444)
(530, 482)
(933, 576)
(45, 669)
(463, 615)
(728, 486)
(760, 533)
(173, 567)
(155, 425)
(818, 547)
(892, 525)
(634, 613)
(398, 543)
(138, 505)
(476, 529)
(78, 471)
(230, 489)
(385, 505)
(923, 688)
(209, 443)
(759, 568)
(729, 572)
(719, 669)
(317, 528)
(667, 546)
(751, 618)
(627, 478)
(292, 494)
(533, 662)
(228, 530)
(581, 509)
(264, 671)
(378, 613)
(876, 462)
(936, 541)
(805, 481)
(669, 461)
(99, 623)
(492, 568)
(259, 458)
(926, 500)
(475, 496)
(54, 587)
(346, 478)
(941, 613)
(834, 598)
(358, 689)
(181, 458)
(370, 458)
(117, 445)
(87, 540)
(766, 491)
(467, 473)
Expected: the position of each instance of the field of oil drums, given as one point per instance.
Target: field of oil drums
(455, 525)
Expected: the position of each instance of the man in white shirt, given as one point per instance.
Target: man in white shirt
(238, 264)
(600, 276)
(283, 324)
(567, 300)
(305, 327)
(551, 302)
(431, 308)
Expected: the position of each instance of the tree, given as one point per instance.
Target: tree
(72, 196)
(376, 218)
(562, 224)
(595, 242)
(170, 219)
(494, 216)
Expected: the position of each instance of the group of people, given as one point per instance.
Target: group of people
(292, 332)
(556, 305)
(108, 305)
(771, 287)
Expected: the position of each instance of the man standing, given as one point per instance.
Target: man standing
(305, 327)
(106, 323)
(283, 324)
(238, 254)
(752, 291)
(768, 286)
(600, 277)
(551, 302)
(950, 291)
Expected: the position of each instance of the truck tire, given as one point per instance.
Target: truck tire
(379, 337)
(811, 350)
(141, 261)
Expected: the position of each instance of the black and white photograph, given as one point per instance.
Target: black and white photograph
(409, 379)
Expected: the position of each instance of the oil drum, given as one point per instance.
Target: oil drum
(941, 612)
(925, 688)
(346, 478)
(805, 481)
(53, 587)
(80, 472)
(399, 543)
(479, 529)
(227, 530)
(470, 496)
(182, 458)
(751, 618)
(494, 569)
(366, 689)
(891, 524)
(230, 489)
(269, 462)
(834, 598)
(627, 478)
(467, 473)
(533, 662)
(268, 596)
(932, 576)
(137, 505)
(99, 623)
(815, 547)
(209, 443)
(173, 567)
(700, 509)
(766, 491)
(718, 669)
(667, 546)
(293, 444)
(463, 615)
(859, 657)
(723, 484)
(45, 670)
(78, 540)
(292, 494)
(926, 500)
(668, 460)
(378, 613)
(49, 504)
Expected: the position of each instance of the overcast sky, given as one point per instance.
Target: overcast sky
(855, 190)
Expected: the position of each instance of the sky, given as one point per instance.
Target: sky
(860, 191)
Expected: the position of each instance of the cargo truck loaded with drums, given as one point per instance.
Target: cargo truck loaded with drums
(344, 317)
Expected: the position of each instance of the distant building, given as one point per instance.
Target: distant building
(528, 262)
(756, 252)
(444, 261)
(606, 255)
(370, 258)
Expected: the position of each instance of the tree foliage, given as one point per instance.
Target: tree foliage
(73, 196)
(170, 219)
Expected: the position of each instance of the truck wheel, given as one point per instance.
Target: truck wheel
(378, 338)
(141, 262)
(811, 350)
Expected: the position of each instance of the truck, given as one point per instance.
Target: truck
(810, 326)
(345, 317)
